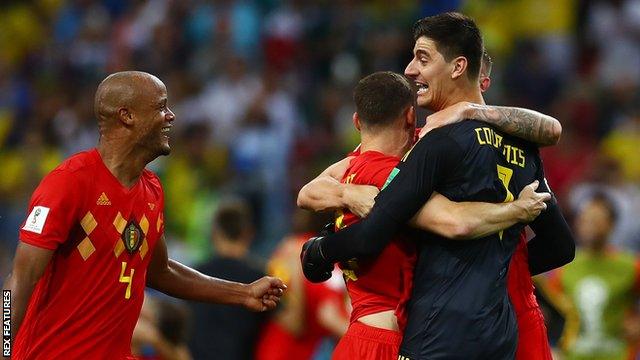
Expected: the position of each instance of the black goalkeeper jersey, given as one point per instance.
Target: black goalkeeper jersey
(459, 307)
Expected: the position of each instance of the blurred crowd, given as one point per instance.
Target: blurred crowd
(262, 94)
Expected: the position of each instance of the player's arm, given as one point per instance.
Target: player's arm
(175, 279)
(327, 193)
(472, 220)
(553, 245)
(432, 158)
(29, 264)
(53, 211)
(530, 125)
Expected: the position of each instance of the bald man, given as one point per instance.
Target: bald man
(94, 238)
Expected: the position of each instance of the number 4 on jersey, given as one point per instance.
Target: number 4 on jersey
(126, 279)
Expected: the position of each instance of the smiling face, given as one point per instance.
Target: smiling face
(431, 74)
(155, 118)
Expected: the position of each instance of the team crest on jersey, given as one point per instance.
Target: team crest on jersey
(132, 236)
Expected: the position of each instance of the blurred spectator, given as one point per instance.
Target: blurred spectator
(224, 331)
(621, 144)
(226, 100)
(599, 291)
(160, 333)
(194, 176)
(607, 178)
(309, 312)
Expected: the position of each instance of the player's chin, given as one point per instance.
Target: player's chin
(165, 149)
(423, 100)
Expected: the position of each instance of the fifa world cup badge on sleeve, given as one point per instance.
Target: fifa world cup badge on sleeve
(37, 218)
(6, 323)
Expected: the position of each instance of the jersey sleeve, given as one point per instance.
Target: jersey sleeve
(53, 210)
(409, 186)
(554, 245)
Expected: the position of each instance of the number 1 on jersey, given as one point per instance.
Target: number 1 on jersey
(126, 279)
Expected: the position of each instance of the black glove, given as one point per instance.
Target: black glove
(314, 266)
(327, 229)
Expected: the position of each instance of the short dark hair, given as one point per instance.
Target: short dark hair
(232, 219)
(455, 35)
(381, 97)
(487, 62)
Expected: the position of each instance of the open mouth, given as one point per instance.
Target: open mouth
(165, 130)
(422, 88)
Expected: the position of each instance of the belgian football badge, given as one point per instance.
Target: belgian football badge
(132, 236)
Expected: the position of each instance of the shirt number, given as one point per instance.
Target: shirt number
(126, 279)
(505, 174)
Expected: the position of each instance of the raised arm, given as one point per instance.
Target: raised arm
(29, 264)
(175, 279)
(327, 193)
(530, 125)
(472, 220)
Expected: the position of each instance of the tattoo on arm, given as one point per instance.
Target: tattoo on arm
(527, 124)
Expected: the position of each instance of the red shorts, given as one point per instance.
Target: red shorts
(533, 343)
(368, 343)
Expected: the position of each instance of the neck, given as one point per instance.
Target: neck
(392, 143)
(123, 159)
(463, 92)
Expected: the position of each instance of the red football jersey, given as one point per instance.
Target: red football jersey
(384, 283)
(519, 283)
(87, 303)
(532, 332)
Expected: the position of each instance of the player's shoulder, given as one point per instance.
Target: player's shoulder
(152, 182)
(440, 139)
(371, 163)
(79, 162)
(150, 176)
(73, 170)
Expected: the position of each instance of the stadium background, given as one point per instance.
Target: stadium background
(262, 95)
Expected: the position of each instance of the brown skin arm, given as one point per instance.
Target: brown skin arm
(175, 279)
(472, 220)
(29, 264)
(530, 125)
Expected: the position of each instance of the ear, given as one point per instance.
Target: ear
(356, 121)
(485, 82)
(459, 67)
(410, 116)
(125, 116)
